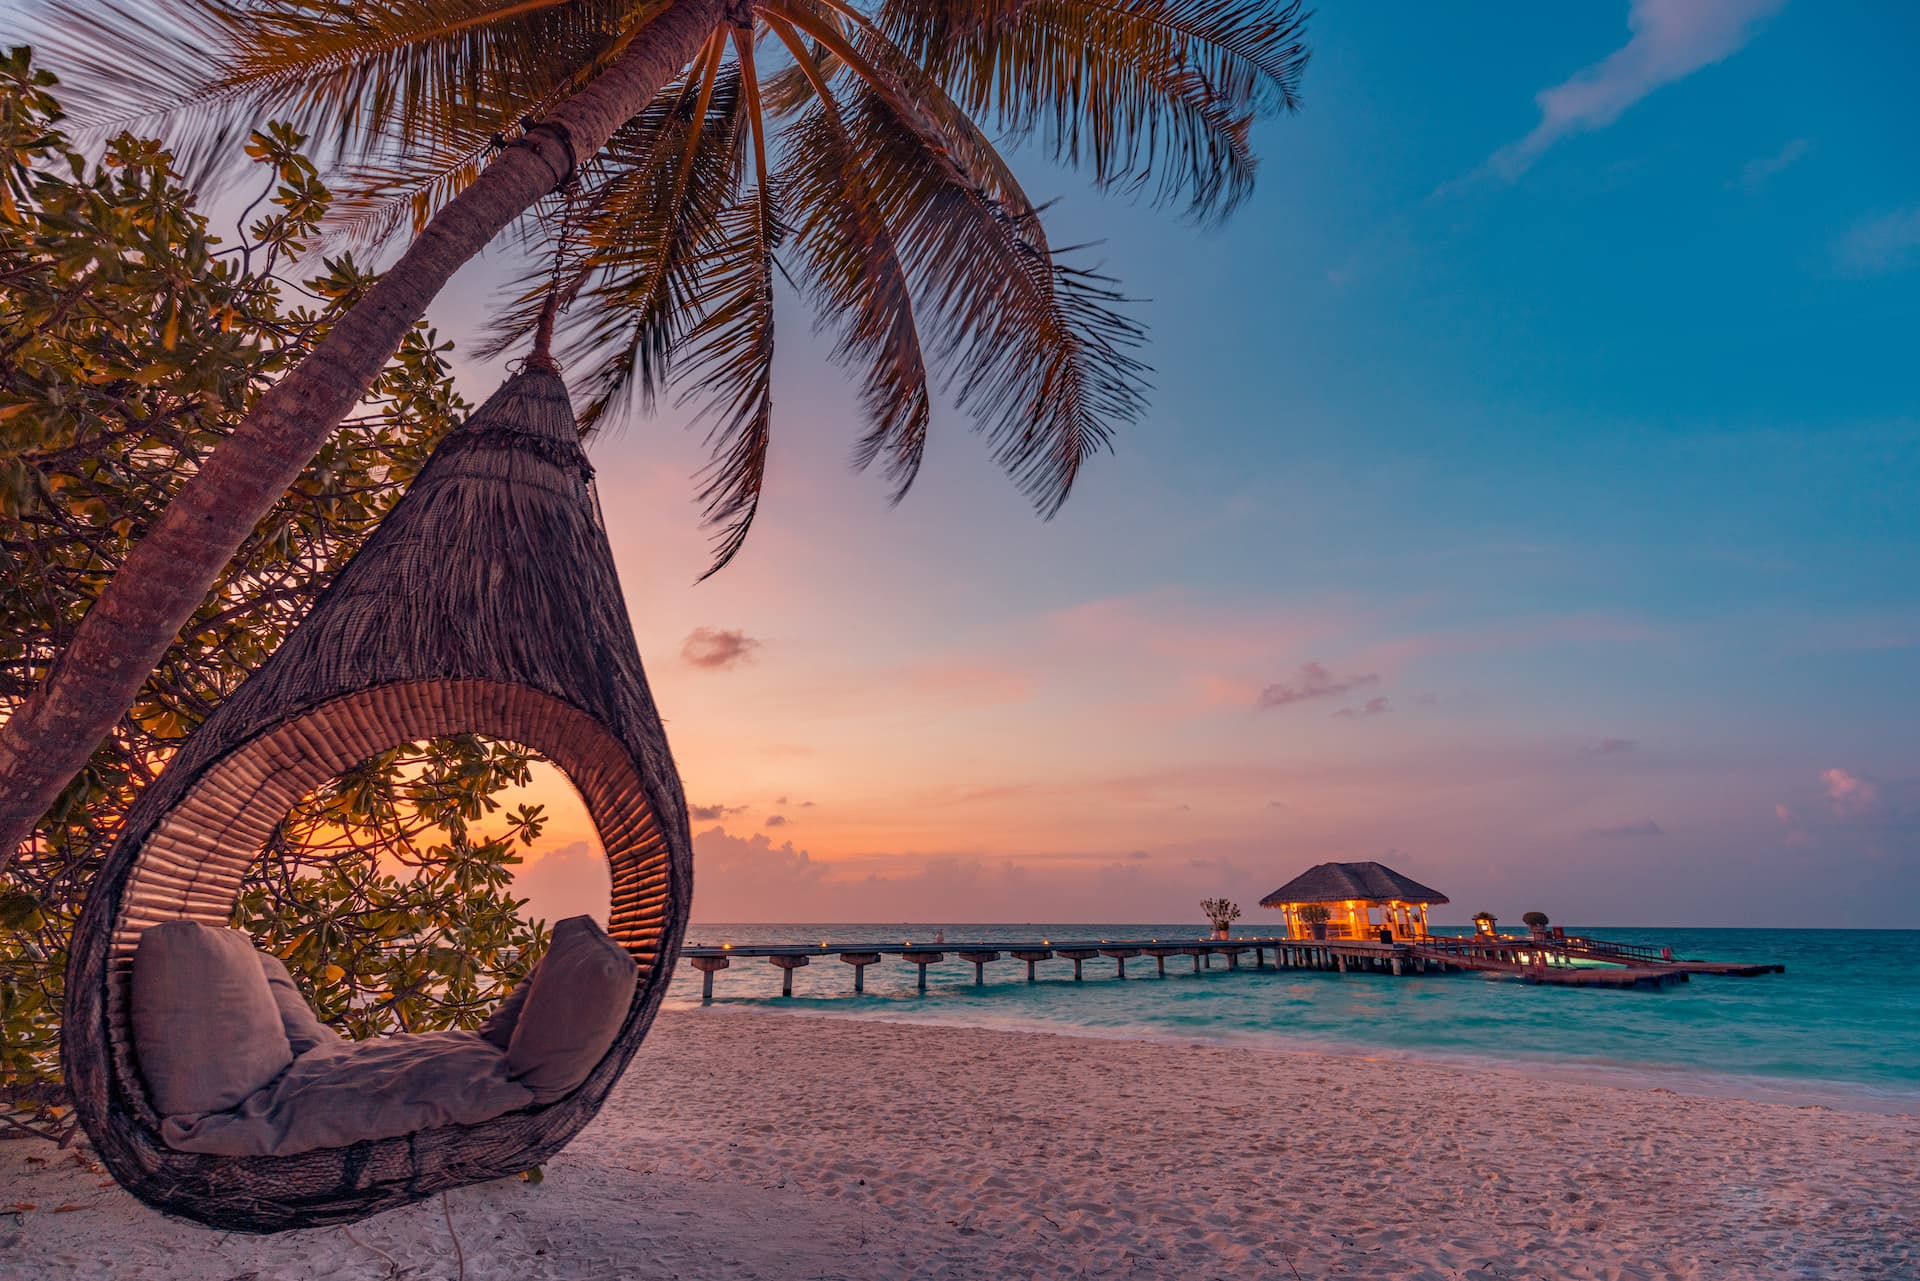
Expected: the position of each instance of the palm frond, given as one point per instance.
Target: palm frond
(651, 227)
(853, 265)
(1038, 352)
(729, 353)
(918, 99)
(1141, 91)
(369, 78)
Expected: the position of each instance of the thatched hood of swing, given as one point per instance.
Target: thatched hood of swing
(485, 602)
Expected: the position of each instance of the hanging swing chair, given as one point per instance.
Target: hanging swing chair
(485, 602)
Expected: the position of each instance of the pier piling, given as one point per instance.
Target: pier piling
(859, 961)
(787, 964)
(923, 960)
(1030, 956)
(707, 965)
(979, 960)
(1567, 962)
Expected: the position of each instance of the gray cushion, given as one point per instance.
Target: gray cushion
(205, 1027)
(576, 1002)
(304, 1030)
(497, 1031)
(336, 1096)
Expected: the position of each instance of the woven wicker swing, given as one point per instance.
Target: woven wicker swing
(485, 602)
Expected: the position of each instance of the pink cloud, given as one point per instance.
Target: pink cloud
(569, 881)
(1373, 707)
(1849, 793)
(717, 648)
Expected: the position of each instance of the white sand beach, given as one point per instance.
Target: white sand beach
(789, 1148)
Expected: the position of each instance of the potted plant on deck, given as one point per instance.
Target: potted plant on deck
(1537, 922)
(1483, 923)
(1316, 916)
(1222, 913)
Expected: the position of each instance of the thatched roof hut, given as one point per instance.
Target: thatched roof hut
(1361, 898)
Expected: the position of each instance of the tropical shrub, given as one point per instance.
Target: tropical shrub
(131, 340)
(1316, 914)
(1536, 920)
(1222, 913)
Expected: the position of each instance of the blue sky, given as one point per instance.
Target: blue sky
(1527, 500)
(1554, 395)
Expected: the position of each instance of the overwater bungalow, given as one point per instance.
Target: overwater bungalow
(1362, 898)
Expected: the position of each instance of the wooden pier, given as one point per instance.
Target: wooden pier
(1562, 961)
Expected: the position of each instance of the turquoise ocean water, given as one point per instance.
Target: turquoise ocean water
(1841, 1026)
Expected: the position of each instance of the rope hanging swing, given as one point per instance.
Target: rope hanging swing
(485, 602)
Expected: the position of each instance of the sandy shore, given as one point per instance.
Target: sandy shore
(787, 1148)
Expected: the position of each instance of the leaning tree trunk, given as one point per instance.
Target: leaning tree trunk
(169, 572)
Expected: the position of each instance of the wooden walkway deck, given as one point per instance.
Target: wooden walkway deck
(1563, 962)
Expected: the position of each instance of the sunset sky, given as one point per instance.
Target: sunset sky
(1527, 500)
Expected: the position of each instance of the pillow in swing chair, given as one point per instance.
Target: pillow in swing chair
(497, 1030)
(205, 1027)
(576, 1001)
(304, 1030)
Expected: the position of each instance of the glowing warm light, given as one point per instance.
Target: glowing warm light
(726, 947)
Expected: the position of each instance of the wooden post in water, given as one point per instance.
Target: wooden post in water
(707, 965)
(979, 960)
(1030, 957)
(787, 964)
(859, 961)
(1160, 955)
(1077, 955)
(923, 960)
(1120, 955)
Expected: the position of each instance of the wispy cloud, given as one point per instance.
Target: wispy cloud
(1625, 831)
(1372, 707)
(1311, 681)
(712, 813)
(1887, 243)
(1613, 747)
(1757, 173)
(1671, 40)
(776, 820)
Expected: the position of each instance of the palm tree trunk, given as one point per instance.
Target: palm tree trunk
(169, 572)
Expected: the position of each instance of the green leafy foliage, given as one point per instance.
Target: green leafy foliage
(131, 341)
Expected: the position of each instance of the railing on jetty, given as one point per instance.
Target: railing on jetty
(1529, 960)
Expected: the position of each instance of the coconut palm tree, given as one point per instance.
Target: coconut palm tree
(706, 146)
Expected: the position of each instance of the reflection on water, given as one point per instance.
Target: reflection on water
(1845, 1015)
